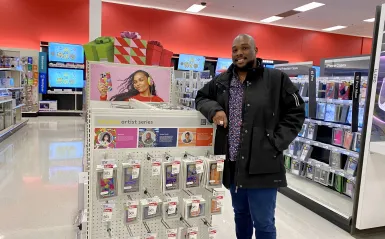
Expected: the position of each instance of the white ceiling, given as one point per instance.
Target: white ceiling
(349, 13)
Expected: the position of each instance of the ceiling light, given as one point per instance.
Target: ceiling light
(308, 6)
(333, 28)
(370, 20)
(271, 19)
(196, 8)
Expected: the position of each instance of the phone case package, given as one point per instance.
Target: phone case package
(131, 212)
(349, 188)
(216, 202)
(348, 139)
(214, 172)
(312, 131)
(171, 208)
(192, 173)
(107, 180)
(295, 167)
(309, 171)
(344, 91)
(317, 174)
(351, 165)
(150, 208)
(171, 176)
(303, 131)
(192, 233)
(357, 142)
(335, 160)
(338, 136)
(321, 108)
(132, 174)
(306, 152)
(324, 177)
(330, 112)
(287, 162)
(194, 208)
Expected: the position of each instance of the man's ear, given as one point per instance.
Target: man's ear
(256, 50)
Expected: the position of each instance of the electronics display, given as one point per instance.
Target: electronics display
(65, 78)
(191, 62)
(59, 52)
(222, 65)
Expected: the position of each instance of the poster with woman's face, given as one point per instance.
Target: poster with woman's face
(121, 82)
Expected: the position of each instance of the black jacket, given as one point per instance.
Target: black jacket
(273, 114)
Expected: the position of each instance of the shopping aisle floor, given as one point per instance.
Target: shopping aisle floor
(39, 196)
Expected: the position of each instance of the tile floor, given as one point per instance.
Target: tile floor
(39, 195)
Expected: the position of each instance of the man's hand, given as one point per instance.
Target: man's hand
(220, 118)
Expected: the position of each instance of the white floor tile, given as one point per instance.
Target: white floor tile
(38, 198)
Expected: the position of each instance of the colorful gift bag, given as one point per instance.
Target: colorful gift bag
(165, 59)
(130, 51)
(102, 49)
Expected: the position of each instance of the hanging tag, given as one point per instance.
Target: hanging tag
(212, 232)
(156, 162)
(171, 233)
(152, 206)
(175, 167)
(172, 203)
(199, 166)
(134, 238)
(108, 168)
(107, 212)
(135, 171)
(150, 236)
(132, 209)
(220, 162)
(195, 205)
(192, 233)
(219, 195)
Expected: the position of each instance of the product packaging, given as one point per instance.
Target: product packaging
(306, 152)
(172, 234)
(131, 176)
(193, 170)
(335, 160)
(312, 131)
(321, 108)
(130, 51)
(351, 165)
(330, 112)
(194, 207)
(309, 171)
(193, 233)
(150, 208)
(108, 209)
(303, 131)
(165, 58)
(150, 235)
(216, 202)
(154, 53)
(317, 174)
(295, 167)
(131, 212)
(348, 139)
(107, 179)
(287, 162)
(357, 142)
(171, 208)
(338, 136)
(213, 231)
(214, 172)
(171, 176)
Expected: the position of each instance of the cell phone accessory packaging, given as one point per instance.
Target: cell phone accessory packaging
(151, 208)
(194, 207)
(344, 113)
(312, 131)
(338, 181)
(131, 176)
(131, 212)
(348, 139)
(349, 188)
(107, 176)
(290, 149)
(295, 167)
(171, 208)
(351, 165)
(317, 174)
(216, 202)
(321, 109)
(322, 90)
(287, 162)
(338, 136)
(108, 209)
(330, 112)
(303, 131)
(214, 172)
(171, 176)
(357, 142)
(193, 170)
(344, 91)
(309, 171)
(306, 152)
(335, 160)
(192, 233)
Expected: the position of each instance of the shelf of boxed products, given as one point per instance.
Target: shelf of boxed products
(12, 88)
(324, 166)
(333, 101)
(19, 69)
(330, 124)
(328, 147)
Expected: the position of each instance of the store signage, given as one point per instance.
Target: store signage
(355, 63)
(42, 62)
(42, 83)
(312, 93)
(59, 52)
(295, 69)
(191, 62)
(356, 101)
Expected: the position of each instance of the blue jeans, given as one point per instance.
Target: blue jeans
(254, 207)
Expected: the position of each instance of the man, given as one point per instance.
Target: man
(148, 141)
(258, 113)
(187, 139)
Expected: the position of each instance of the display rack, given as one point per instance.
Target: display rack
(128, 123)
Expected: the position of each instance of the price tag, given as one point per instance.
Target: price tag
(135, 171)
(152, 207)
(134, 238)
(107, 212)
(172, 203)
(132, 209)
(195, 205)
(220, 164)
(212, 232)
(150, 236)
(199, 166)
(219, 195)
(156, 166)
(192, 233)
(108, 173)
(175, 167)
(171, 233)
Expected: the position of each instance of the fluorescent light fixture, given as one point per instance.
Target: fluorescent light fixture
(195, 8)
(271, 19)
(370, 20)
(308, 6)
(333, 28)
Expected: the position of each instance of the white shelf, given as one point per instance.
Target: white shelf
(11, 69)
(332, 101)
(5, 101)
(12, 88)
(330, 124)
(328, 146)
(12, 127)
(62, 111)
(21, 105)
(65, 93)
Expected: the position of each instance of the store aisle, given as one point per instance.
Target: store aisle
(39, 168)
(38, 184)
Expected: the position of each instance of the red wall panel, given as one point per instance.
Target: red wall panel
(187, 33)
(27, 22)
(367, 46)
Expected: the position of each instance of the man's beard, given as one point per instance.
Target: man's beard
(248, 65)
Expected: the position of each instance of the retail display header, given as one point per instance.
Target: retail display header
(59, 52)
(191, 62)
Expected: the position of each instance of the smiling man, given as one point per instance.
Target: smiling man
(258, 113)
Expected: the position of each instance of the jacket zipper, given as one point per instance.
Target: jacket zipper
(295, 99)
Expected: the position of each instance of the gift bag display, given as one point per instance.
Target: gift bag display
(130, 51)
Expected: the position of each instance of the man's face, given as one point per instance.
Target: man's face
(187, 136)
(148, 136)
(243, 53)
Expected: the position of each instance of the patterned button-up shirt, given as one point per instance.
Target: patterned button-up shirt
(235, 115)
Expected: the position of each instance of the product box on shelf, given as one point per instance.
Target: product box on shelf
(130, 51)
(101, 49)
(165, 59)
(154, 53)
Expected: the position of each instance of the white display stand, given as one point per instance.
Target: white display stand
(134, 115)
